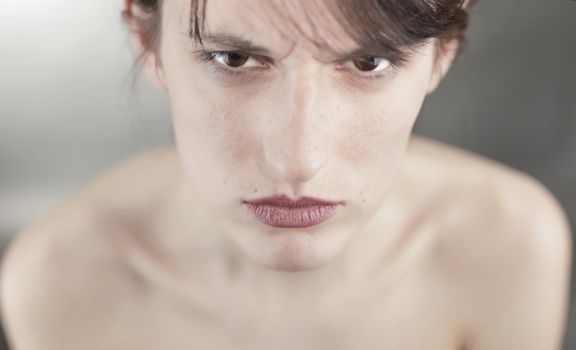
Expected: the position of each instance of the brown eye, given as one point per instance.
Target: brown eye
(236, 60)
(231, 59)
(370, 63)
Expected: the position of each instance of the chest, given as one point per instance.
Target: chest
(405, 319)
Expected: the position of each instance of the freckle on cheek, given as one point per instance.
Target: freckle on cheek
(237, 137)
(361, 145)
(369, 136)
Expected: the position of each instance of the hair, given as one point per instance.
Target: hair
(394, 26)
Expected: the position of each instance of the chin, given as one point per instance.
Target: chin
(293, 266)
(294, 251)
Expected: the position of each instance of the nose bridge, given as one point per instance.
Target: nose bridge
(302, 98)
(299, 150)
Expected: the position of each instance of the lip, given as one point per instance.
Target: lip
(282, 211)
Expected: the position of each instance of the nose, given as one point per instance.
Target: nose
(296, 145)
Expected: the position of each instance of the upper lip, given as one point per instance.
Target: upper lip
(281, 200)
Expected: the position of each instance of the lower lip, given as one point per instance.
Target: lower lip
(292, 217)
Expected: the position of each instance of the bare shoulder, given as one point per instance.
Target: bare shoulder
(476, 198)
(134, 183)
(484, 185)
(66, 273)
(61, 279)
(504, 243)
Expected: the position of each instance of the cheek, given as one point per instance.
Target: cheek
(376, 134)
(216, 133)
(237, 136)
(364, 136)
(381, 124)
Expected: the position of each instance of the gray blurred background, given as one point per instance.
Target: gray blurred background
(67, 110)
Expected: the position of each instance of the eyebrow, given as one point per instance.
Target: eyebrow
(235, 43)
(232, 42)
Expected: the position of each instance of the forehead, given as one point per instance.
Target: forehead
(276, 24)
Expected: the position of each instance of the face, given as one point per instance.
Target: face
(288, 117)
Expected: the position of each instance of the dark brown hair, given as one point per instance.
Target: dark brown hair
(392, 26)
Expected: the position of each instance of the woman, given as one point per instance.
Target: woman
(296, 211)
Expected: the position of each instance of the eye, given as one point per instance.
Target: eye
(231, 59)
(370, 63)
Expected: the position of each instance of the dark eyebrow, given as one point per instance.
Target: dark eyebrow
(233, 42)
(358, 52)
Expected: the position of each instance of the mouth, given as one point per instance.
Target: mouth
(282, 211)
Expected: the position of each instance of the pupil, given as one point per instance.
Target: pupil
(366, 64)
(236, 59)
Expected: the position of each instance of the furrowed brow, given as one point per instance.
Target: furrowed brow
(233, 42)
(342, 56)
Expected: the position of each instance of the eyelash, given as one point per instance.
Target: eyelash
(210, 58)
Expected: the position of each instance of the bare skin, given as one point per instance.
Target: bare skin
(476, 257)
(433, 248)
